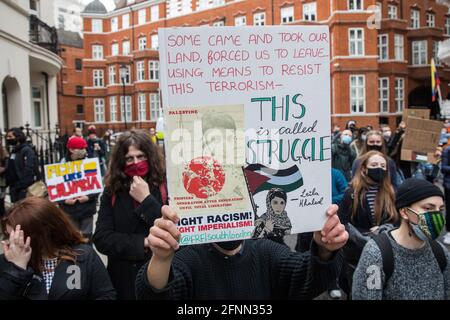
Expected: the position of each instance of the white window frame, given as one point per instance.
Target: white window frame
(435, 52)
(99, 110)
(142, 16)
(399, 94)
(383, 94)
(358, 42)
(142, 105)
(115, 49)
(98, 78)
(113, 109)
(431, 20)
(154, 13)
(287, 14)
(358, 98)
(154, 41)
(155, 106)
(112, 74)
(383, 47)
(40, 101)
(97, 52)
(128, 109)
(127, 46)
(153, 70)
(240, 21)
(415, 19)
(392, 11)
(114, 24)
(220, 23)
(399, 47)
(125, 21)
(97, 25)
(355, 5)
(421, 49)
(127, 75)
(259, 19)
(447, 26)
(140, 70)
(310, 11)
(142, 43)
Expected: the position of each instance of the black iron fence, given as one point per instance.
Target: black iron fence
(43, 35)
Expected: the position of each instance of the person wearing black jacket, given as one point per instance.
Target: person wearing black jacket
(46, 258)
(96, 148)
(135, 191)
(80, 209)
(22, 166)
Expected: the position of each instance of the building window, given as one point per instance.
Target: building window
(399, 47)
(310, 11)
(357, 94)
(142, 114)
(287, 14)
(80, 109)
(240, 21)
(355, 5)
(415, 19)
(142, 42)
(115, 49)
(98, 78)
(430, 20)
(113, 108)
(392, 11)
(383, 47)
(419, 53)
(399, 94)
(356, 42)
(97, 52)
(34, 7)
(140, 69)
(178, 7)
(447, 26)
(153, 70)
(219, 23)
(99, 110)
(125, 21)
(126, 48)
(154, 40)
(79, 90)
(125, 112)
(383, 94)
(125, 77)
(142, 16)
(78, 64)
(112, 74)
(114, 24)
(97, 25)
(435, 52)
(36, 101)
(154, 13)
(155, 111)
(206, 4)
(259, 19)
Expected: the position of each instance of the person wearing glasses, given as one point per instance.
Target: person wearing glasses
(135, 191)
(408, 263)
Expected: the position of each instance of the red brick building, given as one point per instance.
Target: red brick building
(70, 82)
(378, 66)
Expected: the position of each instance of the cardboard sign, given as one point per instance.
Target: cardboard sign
(281, 75)
(417, 113)
(73, 179)
(421, 140)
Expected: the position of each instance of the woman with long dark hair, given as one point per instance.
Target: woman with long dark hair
(134, 193)
(46, 257)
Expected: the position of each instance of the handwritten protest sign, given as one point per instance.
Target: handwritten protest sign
(281, 76)
(72, 179)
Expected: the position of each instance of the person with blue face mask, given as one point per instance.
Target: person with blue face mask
(343, 155)
(408, 263)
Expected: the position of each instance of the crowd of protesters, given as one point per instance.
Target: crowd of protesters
(379, 240)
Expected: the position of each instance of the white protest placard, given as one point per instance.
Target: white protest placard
(281, 75)
(73, 179)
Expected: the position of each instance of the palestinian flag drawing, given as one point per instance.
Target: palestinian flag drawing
(260, 178)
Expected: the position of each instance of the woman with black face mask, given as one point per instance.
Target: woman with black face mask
(135, 191)
(367, 207)
(375, 142)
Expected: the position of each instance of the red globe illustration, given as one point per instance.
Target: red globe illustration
(203, 177)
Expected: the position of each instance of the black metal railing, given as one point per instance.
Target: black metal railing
(43, 35)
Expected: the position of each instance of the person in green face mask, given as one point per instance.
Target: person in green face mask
(408, 263)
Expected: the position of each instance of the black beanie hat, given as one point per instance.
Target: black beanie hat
(413, 190)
